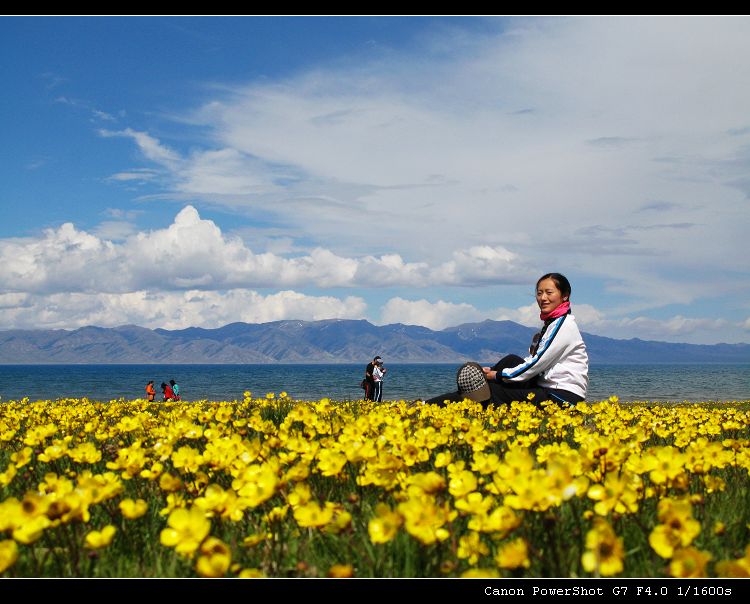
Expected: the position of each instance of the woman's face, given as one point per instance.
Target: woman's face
(548, 297)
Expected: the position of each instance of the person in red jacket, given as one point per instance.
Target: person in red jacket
(167, 390)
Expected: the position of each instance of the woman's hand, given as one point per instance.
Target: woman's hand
(489, 374)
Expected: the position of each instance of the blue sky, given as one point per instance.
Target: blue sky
(169, 172)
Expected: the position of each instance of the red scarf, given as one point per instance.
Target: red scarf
(561, 310)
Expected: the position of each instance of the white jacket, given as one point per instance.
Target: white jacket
(560, 360)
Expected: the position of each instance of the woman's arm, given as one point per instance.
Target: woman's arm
(554, 346)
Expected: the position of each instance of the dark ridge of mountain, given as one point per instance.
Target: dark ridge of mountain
(328, 341)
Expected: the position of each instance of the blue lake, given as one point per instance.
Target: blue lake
(341, 382)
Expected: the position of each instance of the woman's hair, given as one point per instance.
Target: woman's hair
(561, 282)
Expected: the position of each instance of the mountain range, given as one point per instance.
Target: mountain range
(329, 341)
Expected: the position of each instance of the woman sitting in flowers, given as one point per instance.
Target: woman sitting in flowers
(556, 368)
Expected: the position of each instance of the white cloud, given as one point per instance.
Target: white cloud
(525, 315)
(138, 175)
(170, 310)
(435, 315)
(115, 229)
(151, 147)
(549, 137)
(439, 315)
(193, 253)
(677, 328)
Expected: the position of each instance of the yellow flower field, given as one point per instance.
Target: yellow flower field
(273, 487)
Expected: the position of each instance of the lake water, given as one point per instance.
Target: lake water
(341, 382)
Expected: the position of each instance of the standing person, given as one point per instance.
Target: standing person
(175, 390)
(167, 392)
(150, 391)
(378, 373)
(369, 379)
(556, 368)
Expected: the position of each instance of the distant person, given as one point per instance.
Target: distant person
(150, 391)
(369, 379)
(167, 392)
(556, 368)
(378, 373)
(175, 390)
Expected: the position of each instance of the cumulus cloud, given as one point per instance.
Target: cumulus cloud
(170, 310)
(193, 253)
(435, 315)
(441, 314)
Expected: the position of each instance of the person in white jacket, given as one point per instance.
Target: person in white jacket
(556, 368)
(378, 373)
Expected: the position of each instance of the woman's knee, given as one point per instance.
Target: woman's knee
(509, 360)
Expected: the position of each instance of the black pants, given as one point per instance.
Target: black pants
(507, 392)
(369, 389)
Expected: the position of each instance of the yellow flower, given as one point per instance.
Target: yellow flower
(31, 530)
(443, 459)
(85, 453)
(215, 560)
(665, 463)
(330, 463)
(342, 519)
(385, 525)
(485, 463)
(731, 568)
(251, 573)
(735, 568)
(618, 493)
(256, 484)
(427, 482)
(8, 554)
(100, 539)
(471, 546)
(23, 457)
(514, 554)
(133, 509)
(341, 571)
(424, 519)
(479, 573)
(312, 515)
(7, 477)
(187, 529)
(678, 528)
(277, 514)
(462, 483)
(689, 562)
(187, 459)
(253, 540)
(500, 521)
(475, 503)
(169, 483)
(604, 550)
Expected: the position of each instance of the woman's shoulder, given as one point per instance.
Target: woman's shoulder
(571, 325)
